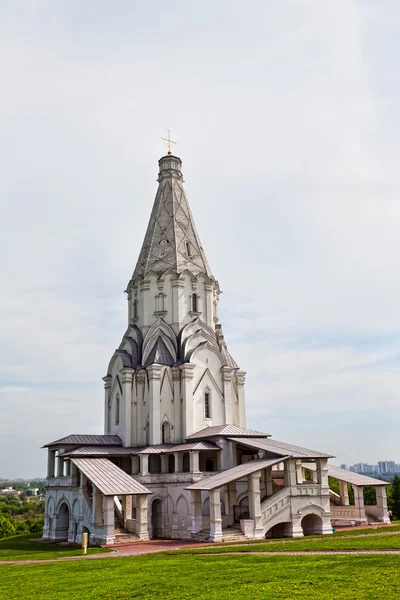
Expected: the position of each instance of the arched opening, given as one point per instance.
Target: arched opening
(188, 249)
(171, 463)
(163, 247)
(154, 463)
(209, 464)
(311, 524)
(117, 410)
(186, 463)
(156, 518)
(280, 530)
(194, 303)
(207, 405)
(166, 433)
(62, 523)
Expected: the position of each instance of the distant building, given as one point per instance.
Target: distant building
(343, 467)
(9, 492)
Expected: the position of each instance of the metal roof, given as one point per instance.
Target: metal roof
(109, 478)
(231, 430)
(99, 451)
(87, 440)
(217, 481)
(348, 476)
(280, 448)
(195, 446)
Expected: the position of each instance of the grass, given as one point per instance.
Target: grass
(375, 542)
(22, 547)
(219, 577)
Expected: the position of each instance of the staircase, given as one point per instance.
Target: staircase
(233, 535)
(123, 536)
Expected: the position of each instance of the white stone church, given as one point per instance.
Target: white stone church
(176, 459)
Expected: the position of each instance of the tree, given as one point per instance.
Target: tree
(6, 527)
(369, 496)
(395, 497)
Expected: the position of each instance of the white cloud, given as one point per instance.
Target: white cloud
(287, 122)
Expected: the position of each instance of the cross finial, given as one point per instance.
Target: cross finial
(169, 141)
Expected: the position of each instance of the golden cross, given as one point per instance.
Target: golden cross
(169, 141)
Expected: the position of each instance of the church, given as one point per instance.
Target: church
(176, 459)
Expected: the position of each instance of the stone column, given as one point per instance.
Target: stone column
(254, 493)
(164, 463)
(227, 374)
(187, 395)
(107, 392)
(141, 517)
(60, 470)
(144, 303)
(269, 490)
(46, 532)
(299, 471)
(140, 379)
(381, 502)
(344, 493)
(322, 472)
(144, 464)
(240, 379)
(108, 503)
(215, 516)
(194, 461)
(196, 509)
(208, 309)
(178, 301)
(226, 455)
(126, 416)
(359, 500)
(51, 459)
(154, 372)
(290, 473)
(97, 513)
(176, 381)
(135, 465)
(178, 466)
(230, 502)
(127, 507)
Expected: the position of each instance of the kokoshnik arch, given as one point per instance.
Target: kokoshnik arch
(176, 459)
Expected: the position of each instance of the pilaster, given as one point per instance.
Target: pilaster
(154, 372)
(126, 380)
(178, 301)
(141, 517)
(176, 382)
(140, 380)
(144, 305)
(208, 289)
(107, 391)
(227, 373)
(187, 395)
(240, 379)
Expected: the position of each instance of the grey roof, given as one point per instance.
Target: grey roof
(109, 478)
(229, 430)
(348, 476)
(195, 446)
(160, 355)
(99, 451)
(217, 481)
(89, 440)
(171, 220)
(280, 448)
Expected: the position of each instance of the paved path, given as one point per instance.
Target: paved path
(140, 548)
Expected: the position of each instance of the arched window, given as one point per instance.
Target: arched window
(207, 405)
(188, 249)
(117, 410)
(163, 247)
(135, 309)
(160, 302)
(194, 303)
(165, 433)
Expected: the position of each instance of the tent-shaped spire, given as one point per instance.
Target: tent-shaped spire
(171, 241)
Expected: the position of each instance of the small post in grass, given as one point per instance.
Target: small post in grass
(84, 542)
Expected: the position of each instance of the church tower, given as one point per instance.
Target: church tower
(172, 374)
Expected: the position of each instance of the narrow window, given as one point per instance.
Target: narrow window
(117, 411)
(188, 250)
(160, 302)
(194, 303)
(207, 407)
(165, 433)
(135, 309)
(163, 247)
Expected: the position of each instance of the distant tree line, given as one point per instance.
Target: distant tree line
(18, 516)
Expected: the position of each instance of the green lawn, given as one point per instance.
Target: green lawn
(22, 547)
(375, 542)
(220, 577)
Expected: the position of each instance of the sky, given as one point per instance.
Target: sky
(286, 116)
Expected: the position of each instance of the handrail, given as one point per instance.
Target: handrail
(275, 504)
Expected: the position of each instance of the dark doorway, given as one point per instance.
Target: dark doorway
(156, 518)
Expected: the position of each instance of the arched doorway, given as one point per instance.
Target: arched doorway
(311, 524)
(156, 518)
(280, 530)
(62, 522)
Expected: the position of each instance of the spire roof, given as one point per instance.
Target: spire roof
(171, 242)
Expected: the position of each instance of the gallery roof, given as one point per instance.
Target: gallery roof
(109, 478)
(226, 430)
(349, 476)
(280, 448)
(87, 440)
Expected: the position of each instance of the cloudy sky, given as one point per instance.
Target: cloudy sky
(287, 121)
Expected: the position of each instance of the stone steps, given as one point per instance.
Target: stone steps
(125, 537)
